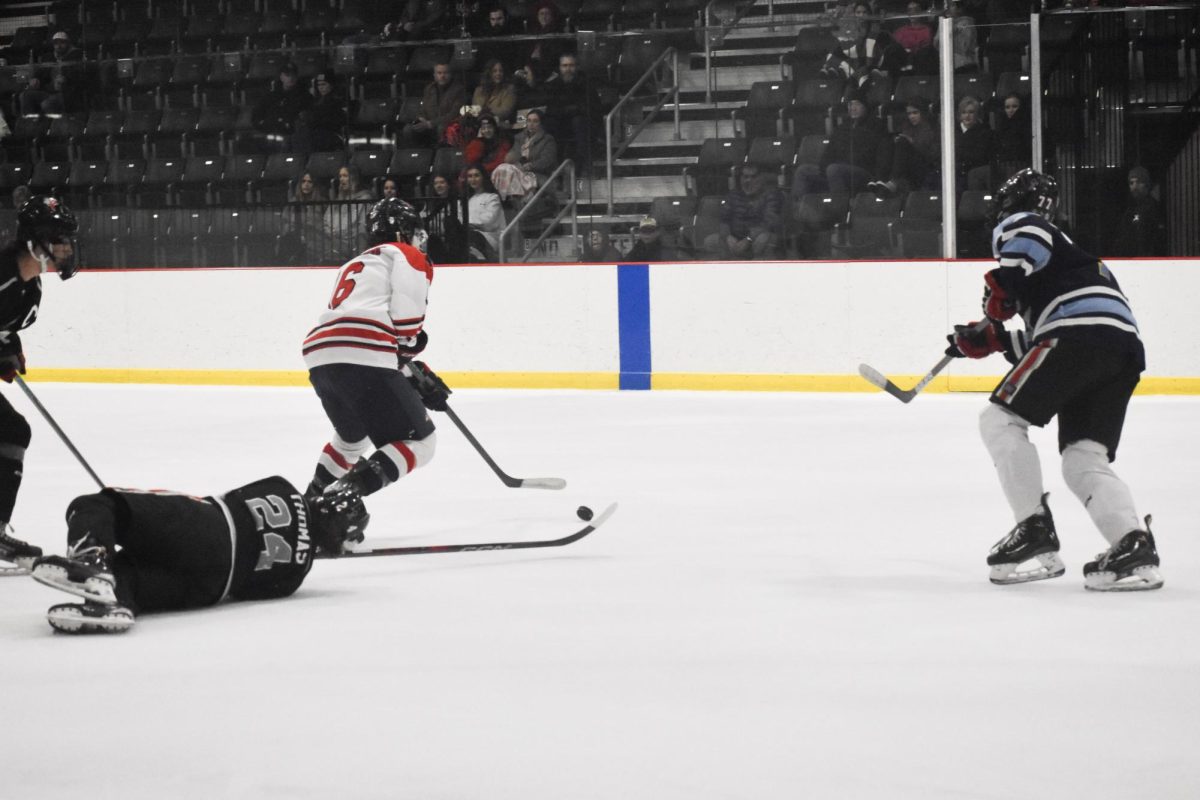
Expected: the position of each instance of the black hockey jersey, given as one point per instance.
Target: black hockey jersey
(1061, 290)
(266, 524)
(19, 300)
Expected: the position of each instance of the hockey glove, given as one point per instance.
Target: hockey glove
(998, 303)
(11, 365)
(970, 343)
(406, 352)
(433, 390)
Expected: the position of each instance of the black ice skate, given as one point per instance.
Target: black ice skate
(15, 551)
(89, 618)
(1033, 539)
(343, 498)
(83, 571)
(1130, 565)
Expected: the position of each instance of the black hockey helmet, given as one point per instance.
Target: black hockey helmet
(393, 220)
(1028, 190)
(43, 221)
(336, 517)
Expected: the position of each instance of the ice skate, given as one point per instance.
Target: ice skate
(1032, 540)
(84, 571)
(89, 618)
(15, 551)
(1130, 565)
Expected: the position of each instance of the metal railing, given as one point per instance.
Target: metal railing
(545, 190)
(664, 96)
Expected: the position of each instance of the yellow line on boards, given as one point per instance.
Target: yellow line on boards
(690, 381)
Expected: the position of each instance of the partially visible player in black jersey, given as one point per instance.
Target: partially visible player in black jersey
(1079, 358)
(131, 552)
(45, 237)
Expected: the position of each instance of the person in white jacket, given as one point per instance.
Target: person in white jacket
(485, 216)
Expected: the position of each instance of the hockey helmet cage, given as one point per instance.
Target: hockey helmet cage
(1028, 190)
(337, 517)
(43, 221)
(393, 220)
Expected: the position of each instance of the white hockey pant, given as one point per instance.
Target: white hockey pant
(1108, 501)
(1006, 437)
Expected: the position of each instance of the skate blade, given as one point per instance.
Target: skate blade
(1142, 579)
(69, 618)
(93, 589)
(1049, 566)
(13, 570)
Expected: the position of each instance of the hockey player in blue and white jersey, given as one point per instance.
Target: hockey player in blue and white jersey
(359, 359)
(1079, 358)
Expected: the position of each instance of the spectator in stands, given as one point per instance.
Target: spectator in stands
(276, 114)
(965, 43)
(751, 220)
(916, 152)
(485, 217)
(61, 83)
(390, 187)
(344, 222)
(5, 131)
(304, 238)
(498, 25)
(911, 48)
(321, 127)
(649, 245)
(496, 94)
(439, 211)
(534, 155)
(419, 19)
(541, 60)
(859, 151)
(859, 51)
(489, 147)
(1142, 229)
(571, 109)
(974, 148)
(20, 194)
(440, 104)
(1014, 137)
(599, 249)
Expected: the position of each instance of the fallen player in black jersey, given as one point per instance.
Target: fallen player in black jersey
(131, 552)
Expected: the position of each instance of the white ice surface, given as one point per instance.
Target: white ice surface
(791, 602)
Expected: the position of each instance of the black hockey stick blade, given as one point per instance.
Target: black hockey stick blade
(877, 378)
(508, 480)
(465, 548)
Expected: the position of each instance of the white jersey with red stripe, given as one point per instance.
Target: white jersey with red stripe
(378, 302)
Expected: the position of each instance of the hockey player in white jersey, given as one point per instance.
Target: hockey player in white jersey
(359, 359)
(1079, 358)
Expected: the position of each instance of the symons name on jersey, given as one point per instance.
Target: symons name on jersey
(379, 300)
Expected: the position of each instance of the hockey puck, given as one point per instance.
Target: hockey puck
(584, 513)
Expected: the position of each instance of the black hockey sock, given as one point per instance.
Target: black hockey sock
(93, 515)
(10, 484)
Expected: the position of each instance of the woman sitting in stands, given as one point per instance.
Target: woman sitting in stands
(488, 148)
(485, 217)
(496, 95)
(534, 155)
(1014, 137)
(439, 211)
(303, 239)
(916, 152)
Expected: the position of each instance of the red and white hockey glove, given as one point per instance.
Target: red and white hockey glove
(998, 303)
(971, 343)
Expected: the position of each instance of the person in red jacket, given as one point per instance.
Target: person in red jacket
(488, 148)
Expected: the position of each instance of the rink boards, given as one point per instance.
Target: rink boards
(790, 326)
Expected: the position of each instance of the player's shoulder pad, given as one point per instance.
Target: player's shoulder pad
(412, 256)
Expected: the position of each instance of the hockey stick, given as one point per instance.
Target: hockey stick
(877, 378)
(464, 548)
(65, 439)
(509, 480)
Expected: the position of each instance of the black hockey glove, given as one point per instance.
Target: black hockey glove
(12, 359)
(970, 343)
(406, 352)
(433, 390)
